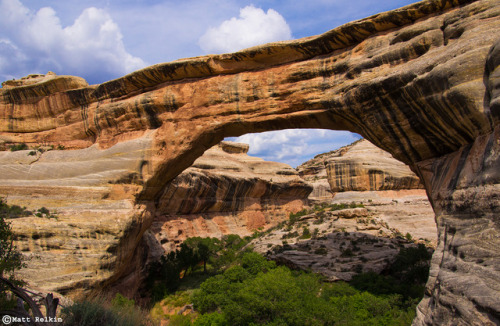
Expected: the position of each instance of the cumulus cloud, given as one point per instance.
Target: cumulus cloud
(295, 146)
(253, 27)
(91, 47)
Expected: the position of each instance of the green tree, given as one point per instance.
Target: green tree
(10, 258)
(187, 257)
(205, 248)
(164, 275)
(255, 263)
(204, 255)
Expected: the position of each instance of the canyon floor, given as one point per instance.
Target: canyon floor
(355, 232)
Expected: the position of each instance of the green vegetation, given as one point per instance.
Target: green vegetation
(44, 212)
(12, 211)
(233, 285)
(213, 254)
(406, 276)
(15, 211)
(18, 147)
(320, 208)
(261, 293)
(37, 148)
(10, 259)
(121, 312)
(306, 234)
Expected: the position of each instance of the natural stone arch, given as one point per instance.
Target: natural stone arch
(420, 82)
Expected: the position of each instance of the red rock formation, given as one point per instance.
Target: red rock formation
(420, 82)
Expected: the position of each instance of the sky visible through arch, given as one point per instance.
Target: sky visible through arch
(105, 39)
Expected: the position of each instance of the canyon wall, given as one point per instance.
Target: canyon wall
(226, 191)
(360, 166)
(421, 82)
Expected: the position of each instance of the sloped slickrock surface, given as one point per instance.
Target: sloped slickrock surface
(407, 211)
(420, 82)
(91, 192)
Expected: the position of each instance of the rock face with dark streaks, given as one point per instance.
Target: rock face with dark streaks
(360, 166)
(421, 82)
(226, 191)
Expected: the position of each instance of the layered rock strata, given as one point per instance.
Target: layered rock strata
(96, 225)
(360, 166)
(226, 191)
(420, 82)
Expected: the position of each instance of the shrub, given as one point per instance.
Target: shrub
(407, 275)
(284, 297)
(338, 289)
(412, 264)
(321, 251)
(179, 320)
(295, 217)
(18, 147)
(12, 211)
(44, 212)
(255, 263)
(290, 235)
(367, 309)
(96, 313)
(306, 234)
(119, 301)
(11, 260)
(347, 253)
(211, 319)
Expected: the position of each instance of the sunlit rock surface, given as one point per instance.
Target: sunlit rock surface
(360, 166)
(420, 82)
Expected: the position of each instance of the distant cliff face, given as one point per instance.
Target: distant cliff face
(226, 191)
(360, 166)
(420, 82)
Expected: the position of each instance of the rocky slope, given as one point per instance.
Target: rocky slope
(344, 241)
(360, 166)
(420, 82)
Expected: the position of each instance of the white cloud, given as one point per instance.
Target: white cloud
(91, 47)
(295, 146)
(253, 27)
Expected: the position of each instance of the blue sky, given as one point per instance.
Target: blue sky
(103, 40)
